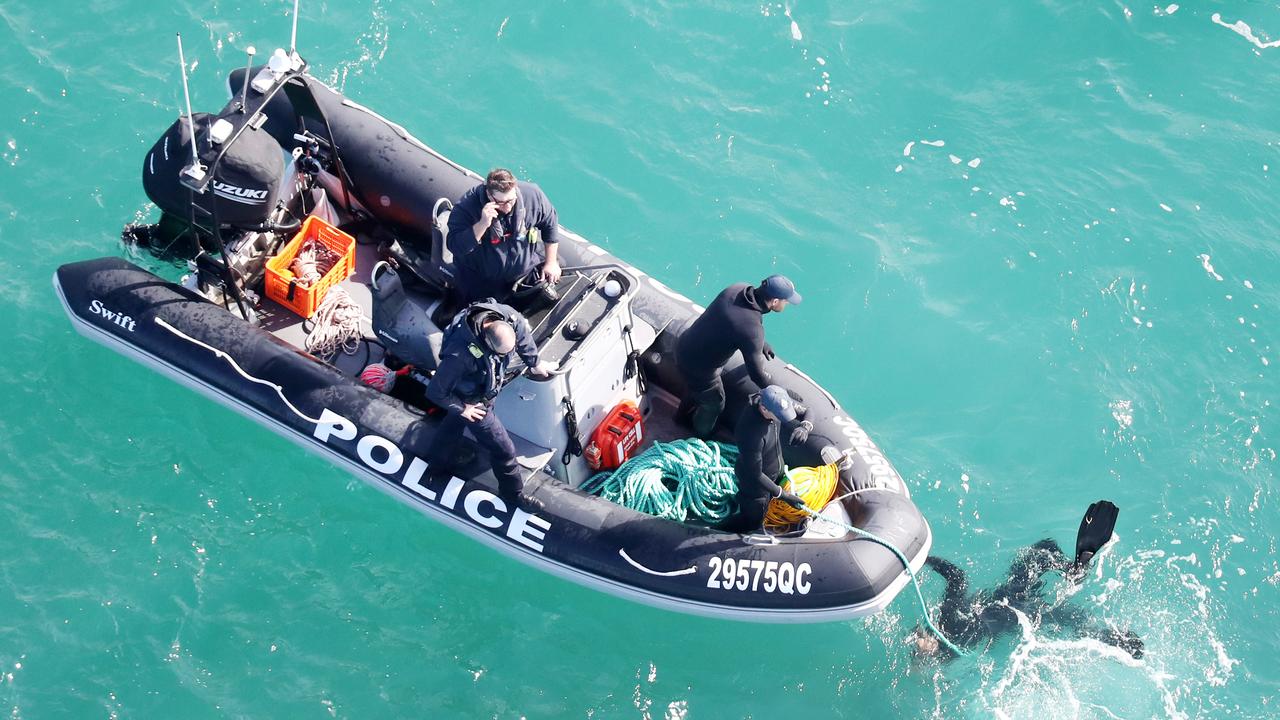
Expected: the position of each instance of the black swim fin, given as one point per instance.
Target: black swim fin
(1095, 530)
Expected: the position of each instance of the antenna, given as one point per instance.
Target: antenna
(244, 94)
(195, 171)
(293, 39)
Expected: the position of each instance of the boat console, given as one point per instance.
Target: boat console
(592, 335)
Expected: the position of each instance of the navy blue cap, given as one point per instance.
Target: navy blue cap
(778, 403)
(779, 287)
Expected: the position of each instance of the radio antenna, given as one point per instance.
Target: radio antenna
(244, 94)
(293, 38)
(195, 171)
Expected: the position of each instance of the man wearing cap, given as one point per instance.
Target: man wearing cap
(759, 462)
(474, 355)
(499, 232)
(733, 322)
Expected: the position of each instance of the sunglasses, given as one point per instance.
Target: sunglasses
(509, 201)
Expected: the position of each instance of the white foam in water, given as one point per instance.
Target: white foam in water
(1242, 29)
(1044, 679)
(934, 143)
(975, 162)
(1208, 267)
(906, 151)
(795, 27)
(1050, 674)
(955, 160)
(1122, 411)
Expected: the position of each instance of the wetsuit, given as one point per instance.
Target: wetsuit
(469, 373)
(733, 322)
(968, 620)
(758, 468)
(490, 266)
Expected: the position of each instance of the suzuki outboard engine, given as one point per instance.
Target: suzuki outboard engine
(246, 181)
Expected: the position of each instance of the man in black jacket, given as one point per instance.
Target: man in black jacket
(733, 322)
(500, 231)
(759, 462)
(477, 348)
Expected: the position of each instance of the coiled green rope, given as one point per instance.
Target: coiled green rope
(674, 480)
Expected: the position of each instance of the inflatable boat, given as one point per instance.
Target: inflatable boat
(288, 153)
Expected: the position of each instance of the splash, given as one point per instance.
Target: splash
(1049, 677)
(1122, 412)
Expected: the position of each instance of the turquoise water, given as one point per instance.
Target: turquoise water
(1068, 292)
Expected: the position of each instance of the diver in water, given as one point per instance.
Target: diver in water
(969, 620)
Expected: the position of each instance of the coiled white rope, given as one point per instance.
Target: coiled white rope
(337, 326)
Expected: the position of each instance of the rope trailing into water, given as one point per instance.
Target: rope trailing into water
(337, 326)
(814, 485)
(924, 607)
(674, 480)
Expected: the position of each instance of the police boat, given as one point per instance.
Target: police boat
(288, 156)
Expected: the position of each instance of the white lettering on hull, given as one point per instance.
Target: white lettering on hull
(97, 308)
(879, 470)
(479, 505)
(759, 575)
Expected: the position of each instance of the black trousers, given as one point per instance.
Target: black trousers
(473, 287)
(705, 401)
(493, 440)
(750, 515)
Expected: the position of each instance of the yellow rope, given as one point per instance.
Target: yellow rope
(814, 485)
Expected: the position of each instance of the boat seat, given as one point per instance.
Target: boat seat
(441, 255)
(529, 456)
(402, 320)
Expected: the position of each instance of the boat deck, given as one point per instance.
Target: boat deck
(660, 406)
(292, 328)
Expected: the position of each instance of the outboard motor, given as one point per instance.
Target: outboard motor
(403, 321)
(246, 182)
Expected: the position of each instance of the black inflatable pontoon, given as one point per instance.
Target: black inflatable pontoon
(345, 162)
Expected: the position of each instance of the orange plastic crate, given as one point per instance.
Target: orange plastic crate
(280, 282)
